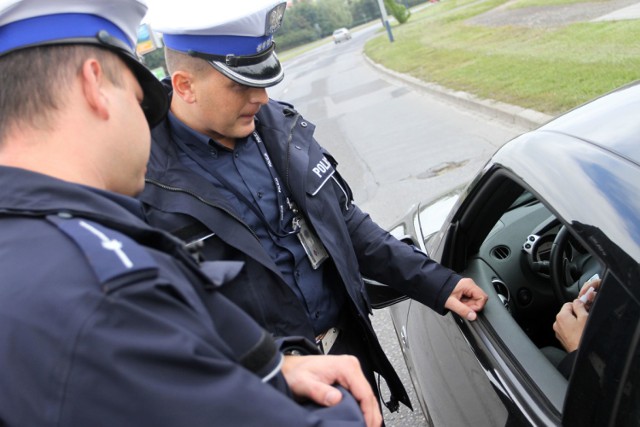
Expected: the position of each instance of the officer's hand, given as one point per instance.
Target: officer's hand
(312, 377)
(466, 299)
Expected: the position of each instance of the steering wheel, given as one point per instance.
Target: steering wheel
(568, 268)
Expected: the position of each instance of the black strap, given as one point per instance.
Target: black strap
(260, 355)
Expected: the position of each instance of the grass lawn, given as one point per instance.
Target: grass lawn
(546, 69)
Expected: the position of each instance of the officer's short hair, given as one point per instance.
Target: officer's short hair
(36, 81)
(176, 60)
(111, 25)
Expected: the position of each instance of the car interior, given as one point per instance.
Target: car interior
(529, 264)
(519, 251)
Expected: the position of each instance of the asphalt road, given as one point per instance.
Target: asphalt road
(395, 146)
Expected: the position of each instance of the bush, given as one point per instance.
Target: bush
(398, 11)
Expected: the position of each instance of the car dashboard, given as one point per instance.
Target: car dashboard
(517, 250)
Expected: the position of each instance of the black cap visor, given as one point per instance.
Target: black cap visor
(267, 73)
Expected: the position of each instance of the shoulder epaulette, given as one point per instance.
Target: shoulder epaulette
(115, 258)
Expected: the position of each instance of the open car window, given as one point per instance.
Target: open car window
(529, 263)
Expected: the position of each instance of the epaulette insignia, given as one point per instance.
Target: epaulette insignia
(111, 254)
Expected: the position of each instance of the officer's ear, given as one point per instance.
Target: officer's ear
(94, 87)
(182, 82)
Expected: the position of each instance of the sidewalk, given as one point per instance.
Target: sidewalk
(629, 12)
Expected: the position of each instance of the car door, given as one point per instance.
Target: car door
(486, 372)
(494, 371)
(605, 384)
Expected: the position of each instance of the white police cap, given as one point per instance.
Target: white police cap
(235, 38)
(110, 24)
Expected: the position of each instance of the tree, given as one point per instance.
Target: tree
(398, 11)
(364, 11)
(333, 14)
(298, 27)
(306, 21)
(154, 59)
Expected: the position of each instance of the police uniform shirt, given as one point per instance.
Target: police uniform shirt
(245, 172)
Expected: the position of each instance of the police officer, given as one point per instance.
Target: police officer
(105, 321)
(243, 178)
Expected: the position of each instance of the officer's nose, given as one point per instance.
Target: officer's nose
(259, 96)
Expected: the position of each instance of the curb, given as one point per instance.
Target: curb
(512, 114)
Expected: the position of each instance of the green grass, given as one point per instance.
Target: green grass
(548, 70)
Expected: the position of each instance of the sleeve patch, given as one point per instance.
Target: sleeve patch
(319, 173)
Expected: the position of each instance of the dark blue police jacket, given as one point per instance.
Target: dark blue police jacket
(186, 204)
(105, 321)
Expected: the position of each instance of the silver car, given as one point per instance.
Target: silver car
(340, 35)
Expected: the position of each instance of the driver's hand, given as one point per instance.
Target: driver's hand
(586, 296)
(569, 324)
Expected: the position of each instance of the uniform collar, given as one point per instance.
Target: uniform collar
(26, 191)
(185, 134)
(200, 143)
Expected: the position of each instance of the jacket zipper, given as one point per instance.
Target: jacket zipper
(203, 200)
(289, 140)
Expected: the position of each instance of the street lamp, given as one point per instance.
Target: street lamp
(385, 19)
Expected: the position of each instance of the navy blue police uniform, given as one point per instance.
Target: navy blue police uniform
(276, 186)
(179, 197)
(106, 321)
(245, 177)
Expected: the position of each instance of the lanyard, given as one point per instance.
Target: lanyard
(282, 200)
(281, 197)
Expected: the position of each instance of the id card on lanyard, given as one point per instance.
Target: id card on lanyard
(311, 244)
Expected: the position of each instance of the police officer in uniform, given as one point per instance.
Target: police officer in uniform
(105, 321)
(242, 177)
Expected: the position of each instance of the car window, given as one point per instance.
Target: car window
(508, 233)
(629, 412)
(604, 387)
(518, 249)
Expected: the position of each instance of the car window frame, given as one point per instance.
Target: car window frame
(526, 375)
(591, 398)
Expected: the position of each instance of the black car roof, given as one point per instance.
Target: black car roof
(611, 121)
